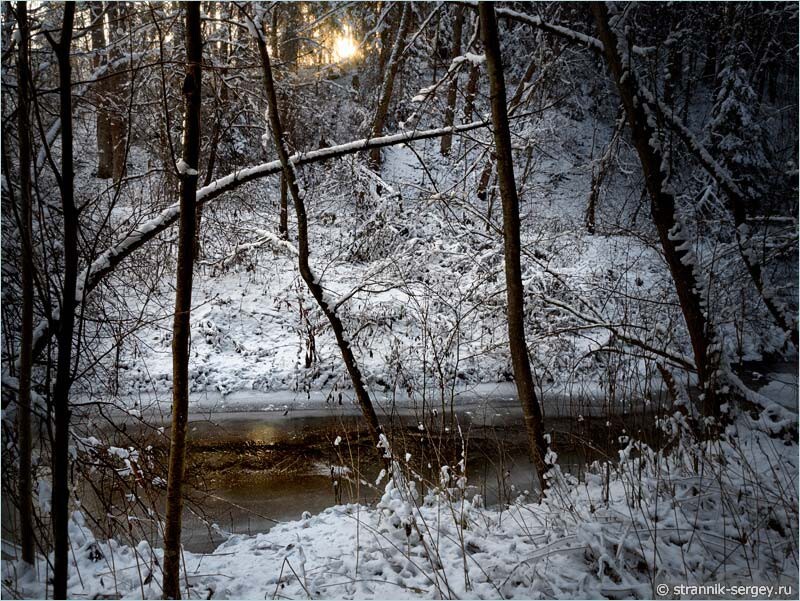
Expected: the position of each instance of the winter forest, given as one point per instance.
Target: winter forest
(391, 299)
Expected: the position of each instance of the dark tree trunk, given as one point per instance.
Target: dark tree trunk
(26, 334)
(60, 499)
(383, 36)
(599, 172)
(289, 50)
(452, 90)
(486, 174)
(472, 82)
(379, 121)
(183, 302)
(216, 133)
(471, 92)
(523, 377)
(118, 122)
(283, 226)
(362, 396)
(710, 63)
(662, 208)
(105, 143)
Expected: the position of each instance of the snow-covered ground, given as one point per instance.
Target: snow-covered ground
(417, 264)
(703, 514)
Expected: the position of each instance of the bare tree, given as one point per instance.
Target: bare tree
(452, 89)
(662, 209)
(314, 286)
(66, 324)
(118, 118)
(515, 290)
(385, 98)
(105, 142)
(188, 170)
(26, 326)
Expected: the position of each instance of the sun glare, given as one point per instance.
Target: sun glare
(344, 47)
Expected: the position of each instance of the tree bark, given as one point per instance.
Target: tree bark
(516, 99)
(105, 143)
(471, 92)
(26, 334)
(662, 207)
(379, 121)
(452, 89)
(599, 172)
(362, 396)
(183, 301)
(118, 121)
(289, 49)
(534, 423)
(283, 225)
(383, 36)
(60, 450)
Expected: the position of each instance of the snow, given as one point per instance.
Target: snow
(184, 168)
(670, 518)
(413, 263)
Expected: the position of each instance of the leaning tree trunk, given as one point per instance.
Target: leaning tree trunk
(676, 250)
(60, 450)
(183, 301)
(379, 121)
(26, 334)
(452, 90)
(362, 396)
(531, 410)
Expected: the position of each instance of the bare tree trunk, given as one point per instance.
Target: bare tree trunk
(289, 50)
(26, 334)
(283, 226)
(273, 30)
(60, 450)
(599, 172)
(183, 302)
(516, 99)
(534, 423)
(362, 396)
(105, 143)
(388, 81)
(472, 82)
(452, 90)
(216, 134)
(471, 92)
(118, 116)
(662, 208)
(383, 55)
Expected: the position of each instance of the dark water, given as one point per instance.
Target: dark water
(249, 470)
